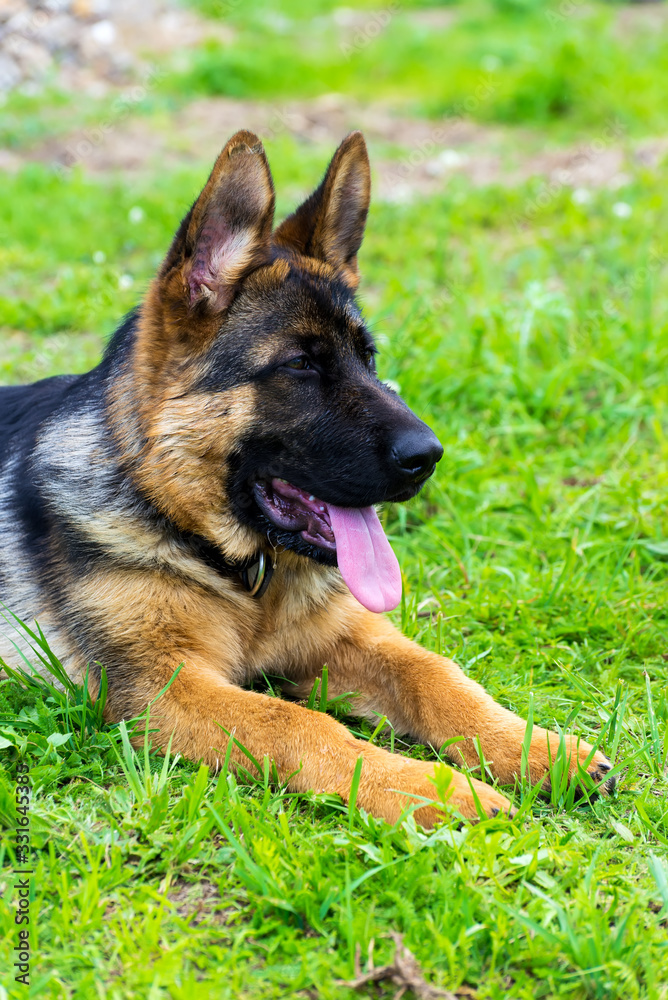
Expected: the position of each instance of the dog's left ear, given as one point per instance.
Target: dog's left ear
(226, 234)
(329, 225)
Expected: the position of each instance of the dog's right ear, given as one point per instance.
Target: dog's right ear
(225, 236)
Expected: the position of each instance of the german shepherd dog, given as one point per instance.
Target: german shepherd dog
(205, 498)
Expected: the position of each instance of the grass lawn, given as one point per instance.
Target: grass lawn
(528, 324)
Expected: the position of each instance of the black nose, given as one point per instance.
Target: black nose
(416, 452)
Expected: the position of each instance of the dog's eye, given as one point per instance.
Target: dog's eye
(299, 364)
(369, 359)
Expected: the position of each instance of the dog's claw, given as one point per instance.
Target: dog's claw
(609, 784)
(509, 812)
(597, 775)
(601, 769)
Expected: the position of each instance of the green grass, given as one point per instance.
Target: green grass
(536, 557)
(532, 332)
(570, 70)
(539, 62)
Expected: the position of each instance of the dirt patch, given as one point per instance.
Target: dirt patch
(196, 132)
(404, 971)
(102, 43)
(199, 901)
(425, 153)
(652, 15)
(488, 156)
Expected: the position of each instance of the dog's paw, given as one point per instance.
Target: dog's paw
(597, 769)
(577, 754)
(469, 798)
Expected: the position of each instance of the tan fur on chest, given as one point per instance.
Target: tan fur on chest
(158, 616)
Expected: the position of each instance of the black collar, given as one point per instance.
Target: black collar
(254, 573)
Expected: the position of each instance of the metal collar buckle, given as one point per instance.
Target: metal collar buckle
(256, 577)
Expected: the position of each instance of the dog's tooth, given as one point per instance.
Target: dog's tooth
(321, 508)
(311, 497)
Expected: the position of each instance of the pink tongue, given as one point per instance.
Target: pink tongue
(366, 560)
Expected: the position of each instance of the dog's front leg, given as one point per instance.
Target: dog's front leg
(309, 749)
(432, 699)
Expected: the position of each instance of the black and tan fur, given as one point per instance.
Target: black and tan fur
(128, 511)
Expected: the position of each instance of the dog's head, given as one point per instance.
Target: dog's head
(263, 417)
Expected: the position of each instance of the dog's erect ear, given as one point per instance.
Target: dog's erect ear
(226, 234)
(330, 224)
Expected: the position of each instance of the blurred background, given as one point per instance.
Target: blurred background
(560, 100)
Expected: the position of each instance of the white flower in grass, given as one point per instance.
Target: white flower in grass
(621, 209)
(125, 281)
(136, 214)
(99, 257)
(581, 196)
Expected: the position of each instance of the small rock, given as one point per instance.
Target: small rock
(103, 32)
(9, 8)
(33, 59)
(61, 33)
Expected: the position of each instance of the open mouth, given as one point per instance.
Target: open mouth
(293, 509)
(364, 556)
